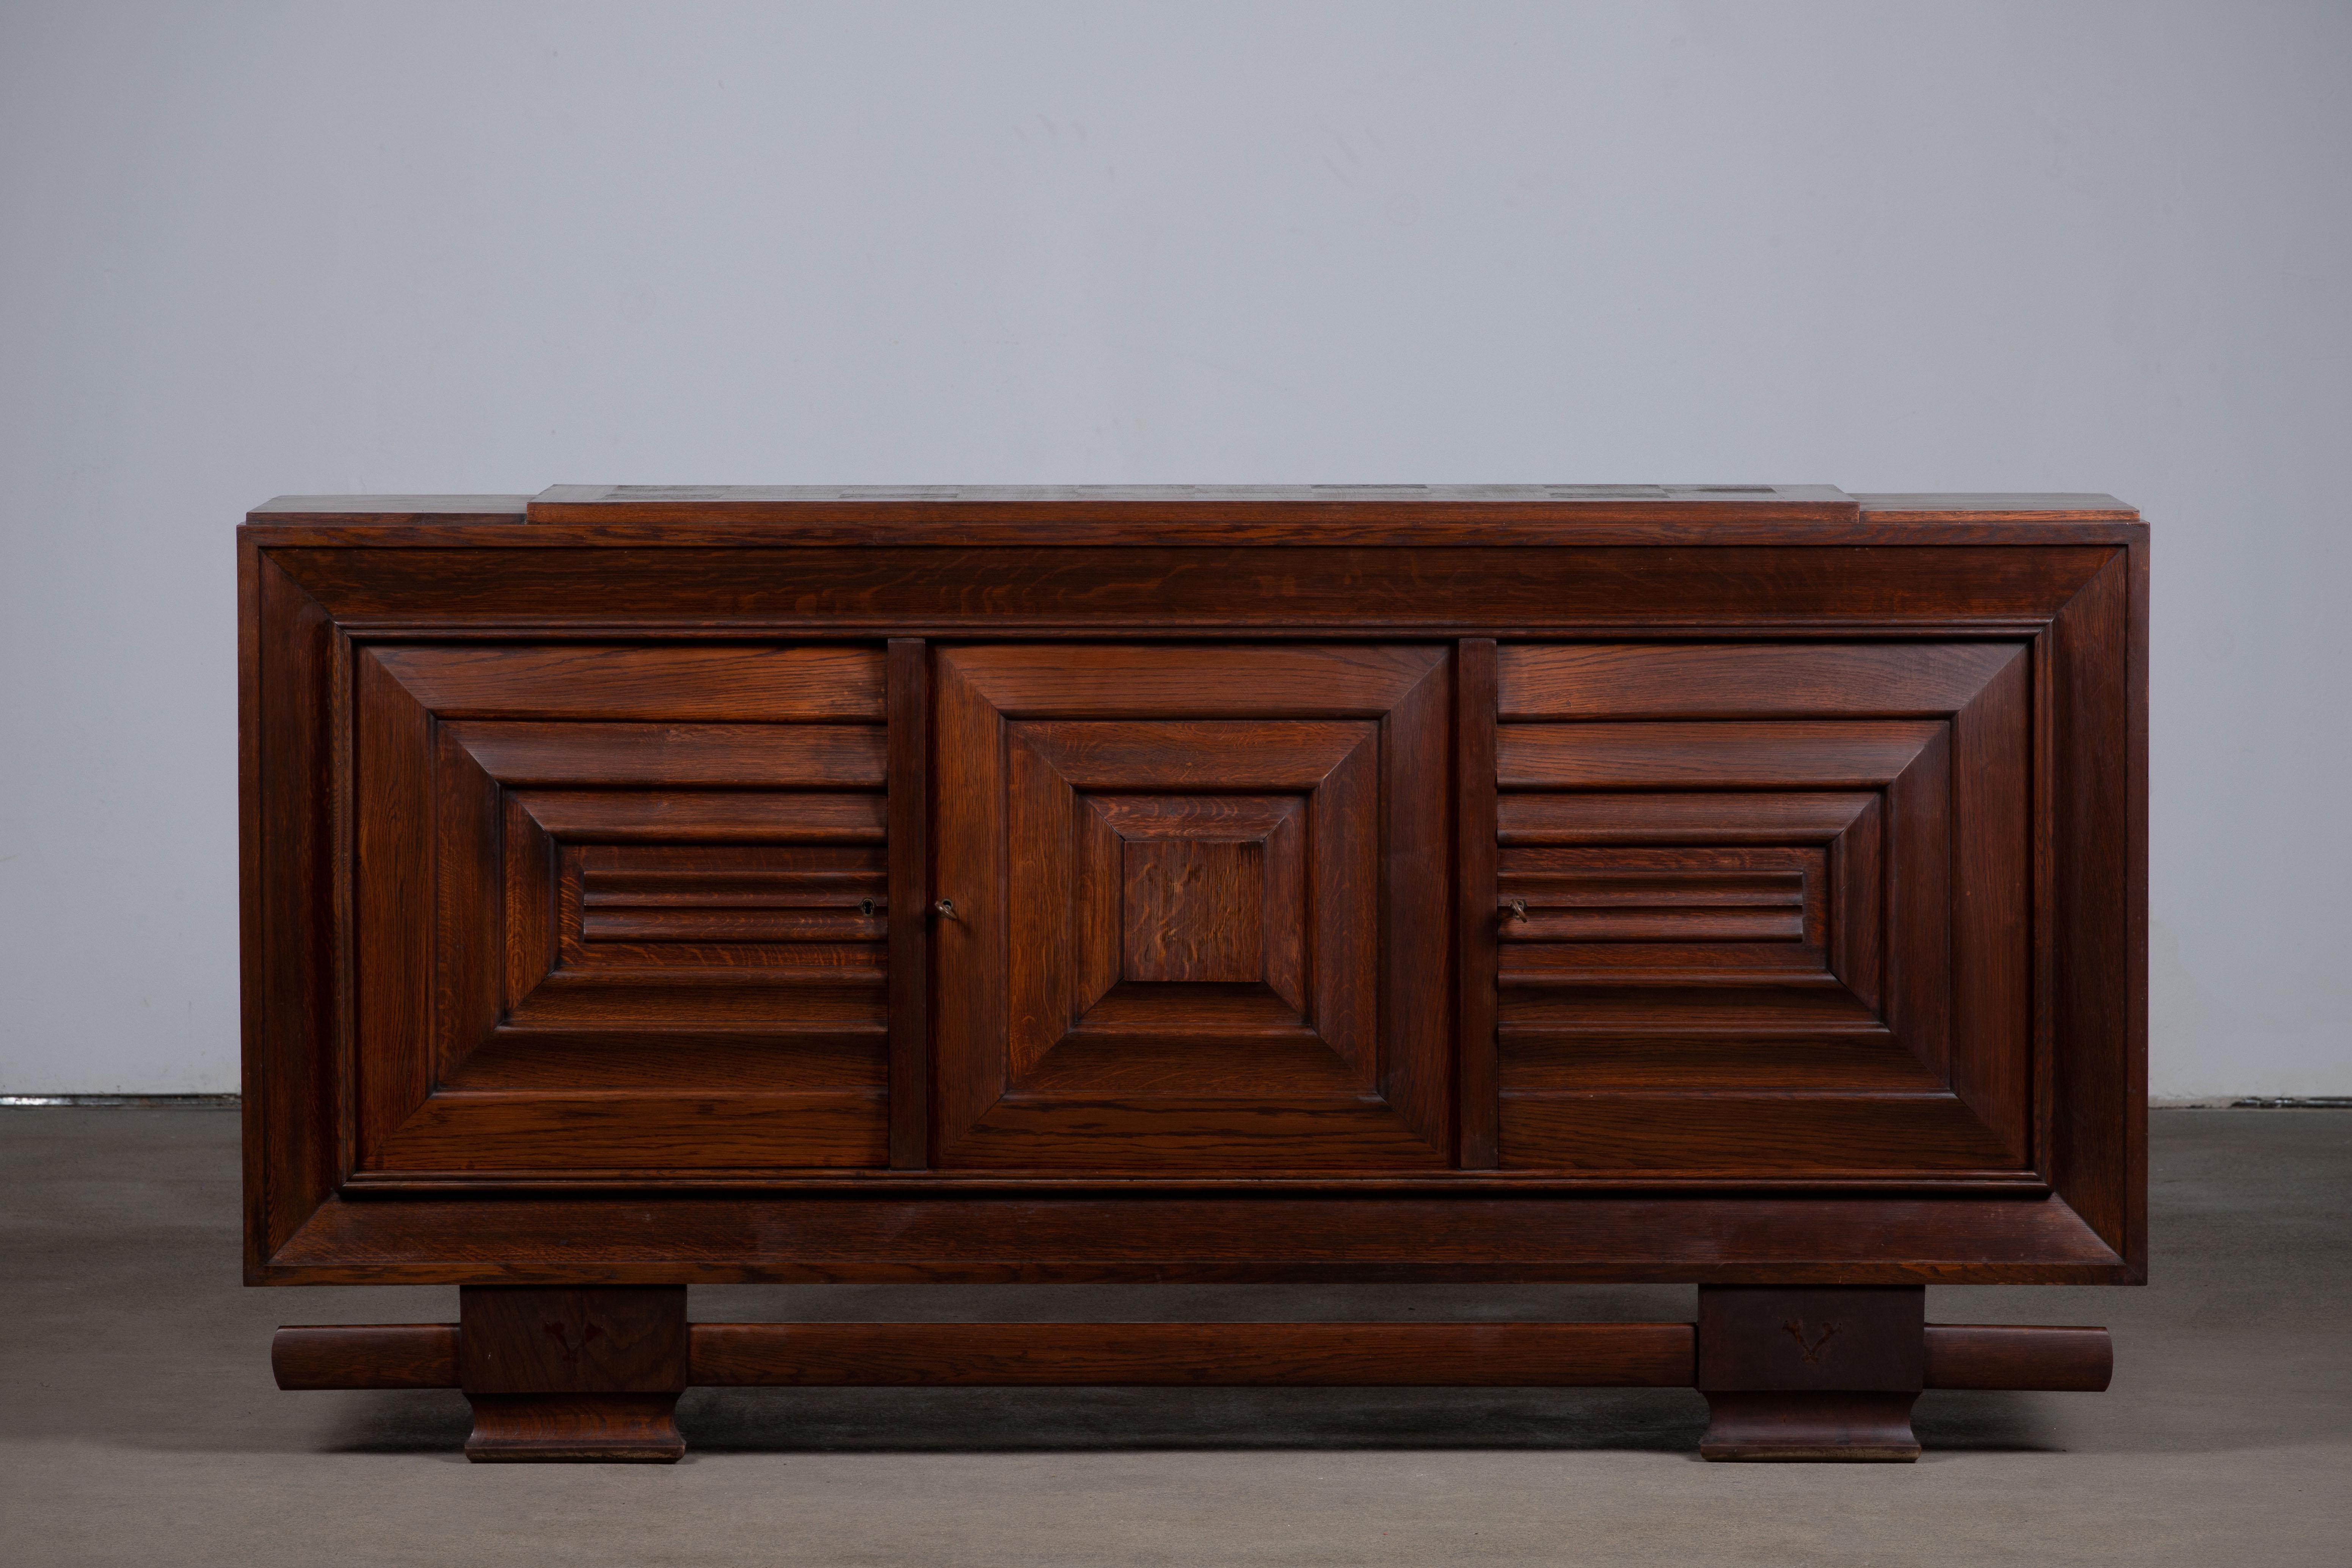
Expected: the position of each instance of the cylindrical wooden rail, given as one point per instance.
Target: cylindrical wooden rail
(2002, 1355)
(1559, 1355)
(366, 1355)
(1498, 1354)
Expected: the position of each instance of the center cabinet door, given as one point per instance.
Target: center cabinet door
(1199, 909)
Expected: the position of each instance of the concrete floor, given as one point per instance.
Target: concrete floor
(138, 1422)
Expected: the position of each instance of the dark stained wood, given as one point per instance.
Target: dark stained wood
(2005, 1355)
(645, 970)
(2132, 1045)
(1853, 680)
(1797, 1373)
(573, 1374)
(909, 770)
(1192, 910)
(575, 1428)
(1789, 754)
(528, 1340)
(957, 1230)
(742, 757)
(727, 894)
(586, 1131)
(365, 1355)
(2098, 842)
(1832, 1426)
(669, 685)
(1991, 890)
(1784, 1338)
(1292, 590)
(1278, 1354)
(1765, 817)
(296, 1065)
(593, 870)
(706, 816)
(1500, 1354)
(1771, 895)
(393, 751)
(1167, 881)
(1475, 960)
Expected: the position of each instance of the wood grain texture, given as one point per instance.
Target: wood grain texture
(647, 970)
(2099, 992)
(1143, 591)
(365, 1355)
(1504, 1354)
(706, 816)
(2010, 1356)
(908, 695)
(575, 1428)
(1830, 1427)
(669, 685)
(296, 1069)
(1811, 1375)
(1168, 883)
(1475, 957)
(964, 1232)
(1858, 680)
(1789, 754)
(558, 1376)
(1778, 1338)
(1790, 816)
(611, 1340)
(708, 756)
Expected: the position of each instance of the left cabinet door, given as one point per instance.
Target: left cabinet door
(618, 911)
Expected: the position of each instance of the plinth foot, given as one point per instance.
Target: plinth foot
(1851, 1427)
(575, 1428)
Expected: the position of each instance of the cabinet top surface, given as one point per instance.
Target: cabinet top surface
(1396, 515)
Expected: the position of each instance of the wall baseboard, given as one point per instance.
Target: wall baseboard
(126, 1101)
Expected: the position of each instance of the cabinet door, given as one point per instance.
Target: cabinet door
(619, 910)
(1199, 913)
(1765, 910)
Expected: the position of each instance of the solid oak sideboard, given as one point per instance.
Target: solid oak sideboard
(1738, 886)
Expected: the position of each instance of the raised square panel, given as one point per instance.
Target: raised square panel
(1192, 910)
(1186, 968)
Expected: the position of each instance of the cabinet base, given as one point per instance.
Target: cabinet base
(575, 1428)
(1851, 1427)
(573, 1352)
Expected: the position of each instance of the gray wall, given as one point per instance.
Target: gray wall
(248, 249)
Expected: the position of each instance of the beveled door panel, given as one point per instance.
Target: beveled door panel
(618, 910)
(1199, 909)
(1762, 910)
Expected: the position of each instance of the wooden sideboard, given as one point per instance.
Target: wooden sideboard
(1738, 886)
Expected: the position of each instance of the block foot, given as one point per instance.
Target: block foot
(575, 1428)
(574, 1376)
(1835, 1426)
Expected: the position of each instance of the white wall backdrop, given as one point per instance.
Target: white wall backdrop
(250, 249)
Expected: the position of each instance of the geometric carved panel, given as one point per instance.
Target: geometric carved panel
(1735, 939)
(592, 941)
(1185, 968)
